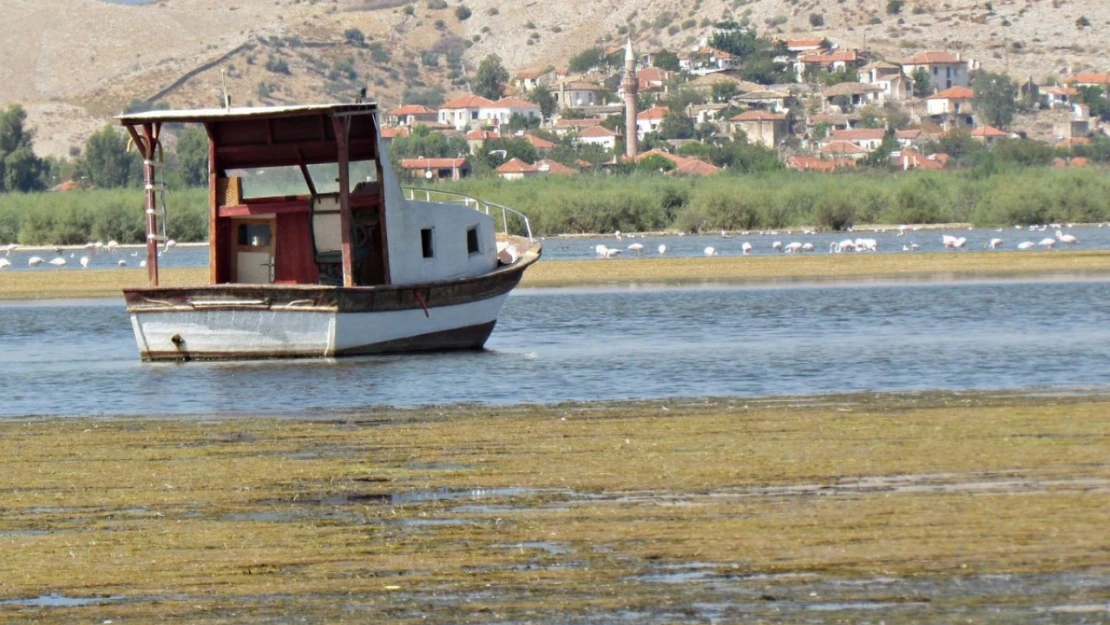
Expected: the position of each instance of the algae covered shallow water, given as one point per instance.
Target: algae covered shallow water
(79, 357)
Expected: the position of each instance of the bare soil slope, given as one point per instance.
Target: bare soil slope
(74, 63)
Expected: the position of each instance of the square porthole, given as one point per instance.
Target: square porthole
(426, 243)
(472, 246)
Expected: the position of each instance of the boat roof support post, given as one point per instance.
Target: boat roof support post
(213, 209)
(342, 126)
(147, 144)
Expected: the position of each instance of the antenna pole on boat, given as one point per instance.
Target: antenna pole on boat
(226, 98)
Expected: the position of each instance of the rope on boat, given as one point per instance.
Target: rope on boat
(423, 304)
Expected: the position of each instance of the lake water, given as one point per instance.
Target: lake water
(564, 248)
(79, 357)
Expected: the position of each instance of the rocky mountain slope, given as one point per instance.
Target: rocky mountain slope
(74, 63)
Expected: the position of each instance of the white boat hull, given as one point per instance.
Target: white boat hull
(285, 333)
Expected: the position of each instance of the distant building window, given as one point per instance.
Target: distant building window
(426, 242)
(472, 241)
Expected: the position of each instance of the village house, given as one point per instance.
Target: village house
(577, 93)
(600, 136)
(476, 138)
(540, 144)
(843, 149)
(501, 111)
(516, 169)
(945, 70)
(564, 126)
(951, 108)
(896, 86)
(463, 111)
(910, 137)
(649, 120)
(1089, 80)
(389, 133)
(829, 122)
(818, 164)
(838, 60)
(988, 135)
(527, 80)
(776, 101)
(704, 113)
(411, 115)
(436, 169)
(762, 127)
(1058, 97)
(683, 166)
(847, 96)
(806, 47)
(705, 59)
(910, 158)
(867, 139)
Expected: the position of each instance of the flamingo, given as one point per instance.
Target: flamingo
(84, 262)
(847, 245)
(867, 245)
(58, 262)
(746, 248)
(34, 261)
(710, 251)
(1025, 245)
(142, 263)
(4, 263)
(170, 243)
(725, 235)
(662, 249)
(948, 240)
(807, 247)
(1047, 242)
(112, 245)
(1066, 238)
(792, 248)
(9, 248)
(122, 263)
(602, 251)
(636, 247)
(612, 252)
(777, 245)
(993, 243)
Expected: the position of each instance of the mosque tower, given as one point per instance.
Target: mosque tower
(630, 85)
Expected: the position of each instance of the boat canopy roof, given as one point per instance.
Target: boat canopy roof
(248, 137)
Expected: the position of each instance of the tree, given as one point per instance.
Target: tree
(995, 98)
(757, 53)
(816, 20)
(880, 156)
(107, 163)
(192, 156)
(894, 7)
(462, 13)
(665, 59)
(676, 125)
(543, 98)
(1095, 99)
(723, 91)
(354, 37)
(586, 60)
(655, 164)
(922, 83)
(20, 169)
(491, 78)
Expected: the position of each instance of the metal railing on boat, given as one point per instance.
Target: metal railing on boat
(482, 206)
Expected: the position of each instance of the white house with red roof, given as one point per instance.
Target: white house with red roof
(867, 139)
(945, 70)
(834, 61)
(477, 137)
(600, 136)
(463, 111)
(1089, 80)
(650, 120)
(1058, 97)
(577, 93)
(516, 169)
(895, 85)
(988, 134)
(952, 108)
(503, 110)
(803, 47)
(411, 115)
(436, 168)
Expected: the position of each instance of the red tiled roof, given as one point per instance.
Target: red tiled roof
(467, 102)
(529, 74)
(1068, 91)
(481, 135)
(842, 147)
(954, 93)
(392, 132)
(554, 167)
(840, 56)
(652, 74)
(804, 43)
(655, 112)
(432, 163)
(515, 166)
(857, 134)
(578, 123)
(909, 133)
(596, 132)
(912, 159)
(538, 143)
(514, 102)
(683, 165)
(757, 115)
(932, 58)
(1089, 79)
(1072, 142)
(814, 163)
(413, 109)
(988, 132)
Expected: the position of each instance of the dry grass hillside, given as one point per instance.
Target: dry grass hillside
(75, 63)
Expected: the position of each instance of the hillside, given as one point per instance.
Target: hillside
(74, 63)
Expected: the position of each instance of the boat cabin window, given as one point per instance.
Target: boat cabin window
(472, 246)
(254, 234)
(426, 242)
(287, 181)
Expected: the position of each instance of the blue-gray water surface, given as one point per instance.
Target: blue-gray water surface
(79, 357)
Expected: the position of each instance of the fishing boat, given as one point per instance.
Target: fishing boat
(315, 249)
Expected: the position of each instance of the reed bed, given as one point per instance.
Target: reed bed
(560, 513)
(75, 283)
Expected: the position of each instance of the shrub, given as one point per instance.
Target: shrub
(277, 66)
(437, 5)
(462, 13)
(894, 7)
(816, 20)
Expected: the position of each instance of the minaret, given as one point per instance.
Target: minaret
(631, 86)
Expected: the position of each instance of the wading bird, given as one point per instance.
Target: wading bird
(84, 262)
(1066, 238)
(993, 243)
(746, 248)
(636, 247)
(662, 249)
(710, 251)
(58, 262)
(34, 261)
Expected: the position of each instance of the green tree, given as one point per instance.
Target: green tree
(586, 60)
(757, 53)
(723, 91)
(491, 78)
(665, 59)
(107, 163)
(513, 148)
(922, 84)
(655, 164)
(20, 169)
(192, 156)
(354, 37)
(676, 125)
(543, 98)
(880, 156)
(1095, 99)
(995, 98)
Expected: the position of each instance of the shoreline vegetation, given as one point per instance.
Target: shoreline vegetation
(644, 203)
(924, 505)
(730, 270)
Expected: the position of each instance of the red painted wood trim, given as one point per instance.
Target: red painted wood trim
(269, 208)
